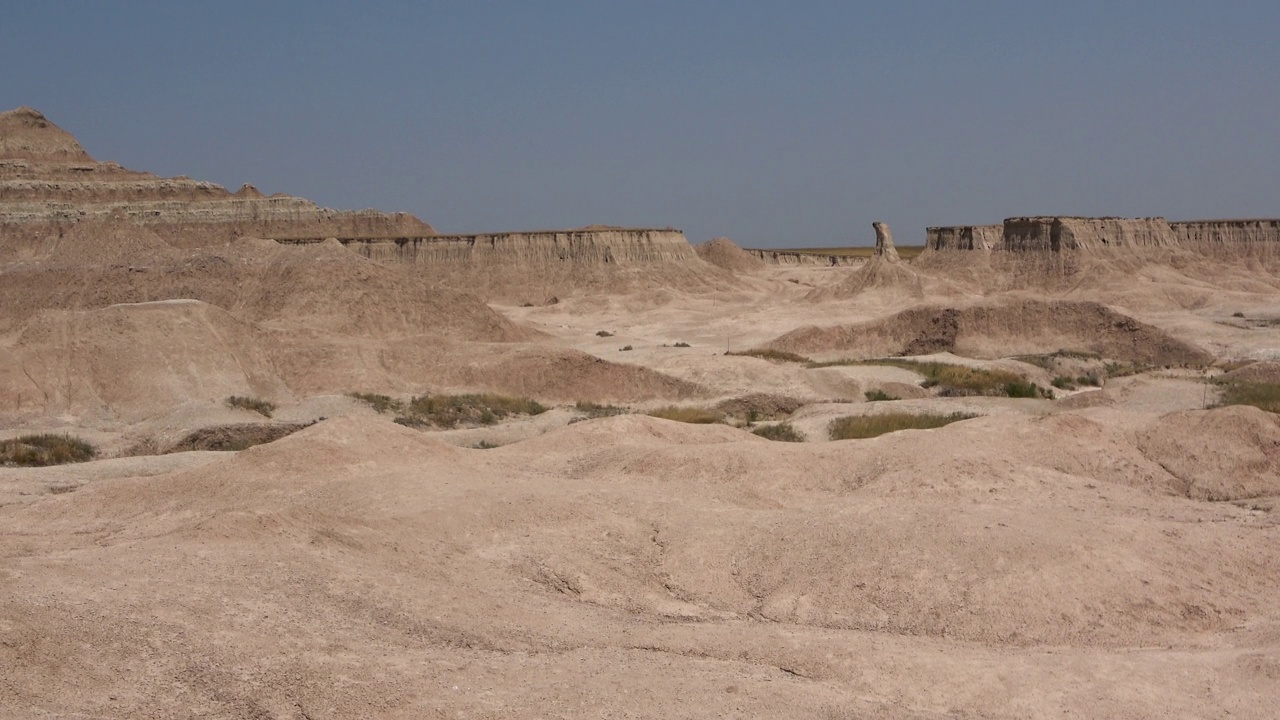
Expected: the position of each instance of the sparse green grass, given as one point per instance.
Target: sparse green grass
(43, 450)
(1065, 382)
(1046, 360)
(879, 396)
(381, 403)
(782, 432)
(252, 404)
(485, 445)
(1262, 395)
(867, 426)
(957, 379)
(697, 416)
(596, 410)
(773, 355)
(448, 411)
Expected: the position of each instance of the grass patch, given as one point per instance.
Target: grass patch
(1122, 369)
(252, 404)
(867, 426)
(448, 411)
(958, 380)
(774, 355)
(1262, 395)
(1046, 360)
(683, 344)
(782, 432)
(697, 416)
(44, 450)
(626, 348)
(596, 410)
(485, 445)
(381, 403)
(603, 333)
(879, 396)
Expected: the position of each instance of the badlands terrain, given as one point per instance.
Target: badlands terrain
(336, 464)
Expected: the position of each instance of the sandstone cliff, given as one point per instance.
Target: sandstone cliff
(792, 257)
(964, 237)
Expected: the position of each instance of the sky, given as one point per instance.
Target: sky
(777, 124)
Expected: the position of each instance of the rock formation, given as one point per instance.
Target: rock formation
(48, 183)
(724, 253)
(964, 237)
(1069, 234)
(884, 242)
(793, 257)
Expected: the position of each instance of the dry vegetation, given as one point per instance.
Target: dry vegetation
(693, 415)
(43, 450)
(449, 411)
(252, 404)
(957, 380)
(769, 354)
(1262, 395)
(857, 427)
(782, 432)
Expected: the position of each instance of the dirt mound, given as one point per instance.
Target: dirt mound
(1228, 453)
(1018, 327)
(321, 287)
(1265, 371)
(235, 437)
(877, 274)
(25, 134)
(722, 252)
(134, 360)
(760, 406)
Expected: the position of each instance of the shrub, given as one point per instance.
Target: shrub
(1063, 382)
(381, 403)
(252, 404)
(1237, 314)
(1025, 389)
(448, 411)
(1262, 395)
(782, 432)
(773, 355)
(603, 333)
(626, 348)
(485, 445)
(868, 426)
(698, 416)
(683, 344)
(879, 396)
(43, 450)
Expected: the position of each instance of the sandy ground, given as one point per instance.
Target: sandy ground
(1109, 553)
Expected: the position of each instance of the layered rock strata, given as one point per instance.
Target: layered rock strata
(48, 183)
(1066, 234)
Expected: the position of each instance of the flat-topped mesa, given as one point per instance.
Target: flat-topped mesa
(1069, 234)
(1209, 233)
(964, 237)
(884, 242)
(595, 245)
(1059, 234)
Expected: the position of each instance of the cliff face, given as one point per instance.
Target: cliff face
(964, 237)
(1067, 234)
(48, 183)
(531, 249)
(1070, 233)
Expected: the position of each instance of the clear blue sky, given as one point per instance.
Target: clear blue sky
(775, 123)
